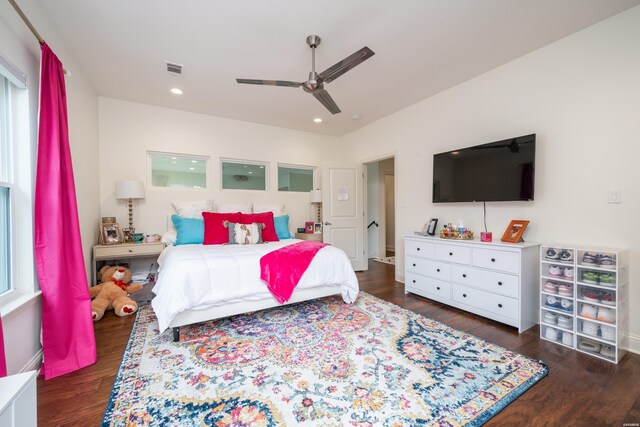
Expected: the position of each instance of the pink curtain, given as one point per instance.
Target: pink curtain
(3, 361)
(68, 340)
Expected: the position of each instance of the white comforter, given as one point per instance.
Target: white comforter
(202, 276)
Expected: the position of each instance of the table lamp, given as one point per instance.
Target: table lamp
(129, 190)
(315, 197)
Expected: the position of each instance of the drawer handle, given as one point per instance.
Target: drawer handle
(500, 305)
(418, 248)
(499, 283)
(493, 260)
(464, 295)
(414, 264)
(438, 287)
(464, 275)
(414, 280)
(130, 251)
(450, 253)
(438, 270)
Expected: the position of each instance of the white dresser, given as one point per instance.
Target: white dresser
(495, 280)
(18, 406)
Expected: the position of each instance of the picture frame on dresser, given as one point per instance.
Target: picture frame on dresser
(515, 230)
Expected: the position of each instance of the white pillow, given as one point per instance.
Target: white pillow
(278, 210)
(169, 237)
(235, 207)
(192, 208)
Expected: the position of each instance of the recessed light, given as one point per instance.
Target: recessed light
(317, 120)
(176, 91)
(356, 117)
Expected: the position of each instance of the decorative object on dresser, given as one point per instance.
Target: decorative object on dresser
(583, 299)
(513, 233)
(104, 253)
(129, 190)
(110, 234)
(494, 280)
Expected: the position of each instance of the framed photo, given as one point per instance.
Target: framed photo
(317, 228)
(430, 227)
(128, 234)
(110, 234)
(513, 233)
(309, 227)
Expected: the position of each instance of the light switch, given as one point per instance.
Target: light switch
(614, 196)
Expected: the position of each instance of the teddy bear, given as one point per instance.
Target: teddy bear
(113, 292)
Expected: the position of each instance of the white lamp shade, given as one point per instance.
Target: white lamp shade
(315, 196)
(129, 189)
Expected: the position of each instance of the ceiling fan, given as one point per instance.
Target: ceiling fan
(315, 84)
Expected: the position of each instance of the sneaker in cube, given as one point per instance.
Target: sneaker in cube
(566, 305)
(606, 315)
(590, 328)
(608, 333)
(567, 338)
(565, 322)
(552, 253)
(551, 334)
(568, 272)
(566, 255)
(550, 317)
(551, 288)
(589, 311)
(555, 270)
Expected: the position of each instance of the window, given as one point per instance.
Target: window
(17, 276)
(244, 175)
(296, 178)
(178, 170)
(5, 187)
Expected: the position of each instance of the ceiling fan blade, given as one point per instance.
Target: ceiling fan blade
(269, 82)
(326, 100)
(346, 64)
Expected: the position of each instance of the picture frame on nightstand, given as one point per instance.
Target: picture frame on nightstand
(309, 226)
(317, 228)
(110, 234)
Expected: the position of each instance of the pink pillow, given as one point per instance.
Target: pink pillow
(266, 218)
(215, 232)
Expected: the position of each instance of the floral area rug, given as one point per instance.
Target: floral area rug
(320, 363)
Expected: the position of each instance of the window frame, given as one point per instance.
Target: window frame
(18, 176)
(207, 170)
(314, 170)
(245, 162)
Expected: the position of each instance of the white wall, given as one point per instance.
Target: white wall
(22, 325)
(128, 130)
(581, 96)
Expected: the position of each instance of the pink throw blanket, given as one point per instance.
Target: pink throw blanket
(283, 268)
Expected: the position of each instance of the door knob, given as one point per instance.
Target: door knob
(327, 223)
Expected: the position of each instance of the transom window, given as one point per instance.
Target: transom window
(296, 178)
(178, 170)
(244, 175)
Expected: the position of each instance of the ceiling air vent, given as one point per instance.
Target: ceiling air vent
(174, 69)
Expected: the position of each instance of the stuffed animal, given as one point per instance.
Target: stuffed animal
(113, 292)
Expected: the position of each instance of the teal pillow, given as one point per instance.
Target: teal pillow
(282, 227)
(190, 230)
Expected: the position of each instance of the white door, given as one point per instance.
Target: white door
(343, 210)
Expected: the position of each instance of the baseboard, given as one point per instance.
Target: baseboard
(34, 363)
(634, 343)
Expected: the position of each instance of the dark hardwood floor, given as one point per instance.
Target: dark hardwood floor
(579, 390)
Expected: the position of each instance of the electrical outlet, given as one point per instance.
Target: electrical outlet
(614, 196)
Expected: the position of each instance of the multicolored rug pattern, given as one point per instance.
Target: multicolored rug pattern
(321, 363)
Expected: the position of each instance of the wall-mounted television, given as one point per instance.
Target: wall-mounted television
(495, 172)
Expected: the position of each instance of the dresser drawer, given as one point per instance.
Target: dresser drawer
(426, 267)
(492, 281)
(124, 251)
(441, 290)
(497, 260)
(454, 253)
(487, 301)
(419, 248)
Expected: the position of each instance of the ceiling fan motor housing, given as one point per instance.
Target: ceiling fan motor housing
(313, 40)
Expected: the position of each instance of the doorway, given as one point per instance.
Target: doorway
(381, 207)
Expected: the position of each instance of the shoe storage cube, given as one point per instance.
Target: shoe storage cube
(598, 278)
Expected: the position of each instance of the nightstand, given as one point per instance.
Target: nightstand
(124, 251)
(309, 236)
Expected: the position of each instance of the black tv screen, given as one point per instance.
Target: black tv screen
(498, 171)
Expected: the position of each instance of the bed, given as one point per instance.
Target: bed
(197, 283)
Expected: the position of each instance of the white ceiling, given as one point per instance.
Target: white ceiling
(421, 47)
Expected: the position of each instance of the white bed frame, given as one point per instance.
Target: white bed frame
(190, 317)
